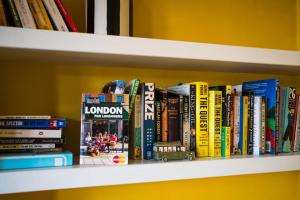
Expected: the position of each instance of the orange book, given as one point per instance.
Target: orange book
(39, 14)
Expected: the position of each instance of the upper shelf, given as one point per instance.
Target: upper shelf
(14, 181)
(18, 44)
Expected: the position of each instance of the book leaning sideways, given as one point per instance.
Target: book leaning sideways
(104, 129)
(35, 160)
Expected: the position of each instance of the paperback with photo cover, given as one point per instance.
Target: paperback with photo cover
(104, 129)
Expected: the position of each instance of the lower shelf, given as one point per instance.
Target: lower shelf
(27, 180)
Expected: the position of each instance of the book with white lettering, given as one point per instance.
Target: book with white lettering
(104, 129)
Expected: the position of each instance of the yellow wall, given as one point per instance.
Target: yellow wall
(55, 89)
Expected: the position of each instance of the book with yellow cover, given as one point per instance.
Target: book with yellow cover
(215, 123)
(226, 130)
(201, 119)
(39, 14)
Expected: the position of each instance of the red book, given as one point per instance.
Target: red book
(69, 21)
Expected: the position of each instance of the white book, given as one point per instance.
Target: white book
(26, 146)
(237, 90)
(57, 20)
(236, 126)
(30, 133)
(257, 123)
(24, 14)
(100, 17)
(124, 17)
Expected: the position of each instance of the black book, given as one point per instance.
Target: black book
(113, 17)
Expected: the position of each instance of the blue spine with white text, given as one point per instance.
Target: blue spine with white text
(148, 120)
(32, 123)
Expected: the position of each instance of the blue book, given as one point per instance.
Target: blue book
(32, 123)
(27, 160)
(148, 120)
(267, 88)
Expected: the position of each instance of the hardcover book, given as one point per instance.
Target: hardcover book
(104, 129)
(267, 88)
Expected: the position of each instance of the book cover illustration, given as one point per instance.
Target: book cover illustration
(104, 129)
(266, 88)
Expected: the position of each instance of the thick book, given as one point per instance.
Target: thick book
(67, 17)
(125, 8)
(287, 134)
(135, 149)
(40, 14)
(225, 141)
(100, 16)
(3, 21)
(243, 132)
(215, 123)
(30, 133)
(173, 118)
(20, 161)
(148, 119)
(161, 95)
(55, 16)
(113, 17)
(89, 15)
(33, 123)
(25, 14)
(201, 119)
(11, 13)
(267, 88)
(104, 129)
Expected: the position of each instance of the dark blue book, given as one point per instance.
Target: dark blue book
(32, 123)
(267, 88)
(148, 119)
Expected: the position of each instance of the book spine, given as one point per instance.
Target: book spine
(47, 150)
(149, 120)
(297, 125)
(14, 13)
(164, 117)
(173, 128)
(215, 123)
(55, 15)
(287, 141)
(124, 17)
(33, 161)
(232, 123)
(67, 17)
(202, 119)
(225, 141)
(257, 126)
(133, 93)
(30, 133)
(263, 124)
(39, 14)
(250, 123)
(192, 117)
(27, 146)
(236, 135)
(3, 20)
(25, 14)
(275, 150)
(113, 17)
(282, 121)
(180, 118)
(100, 16)
(32, 123)
(157, 121)
(89, 15)
(185, 125)
(31, 141)
(25, 117)
(245, 125)
(241, 125)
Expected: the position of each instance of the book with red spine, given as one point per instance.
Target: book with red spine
(69, 21)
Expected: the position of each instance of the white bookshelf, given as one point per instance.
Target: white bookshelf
(15, 181)
(20, 45)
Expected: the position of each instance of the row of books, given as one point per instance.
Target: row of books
(36, 14)
(253, 118)
(32, 141)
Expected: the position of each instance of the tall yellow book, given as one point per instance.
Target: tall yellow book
(215, 123)
(39, 14)
(201, 119)
(245, 125)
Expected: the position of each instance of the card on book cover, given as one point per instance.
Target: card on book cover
(104, 129)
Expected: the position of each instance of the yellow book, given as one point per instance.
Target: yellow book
(39, 14)
(215, 123)
(201, 119)
(245, 125)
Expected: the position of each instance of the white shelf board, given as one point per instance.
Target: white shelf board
(14, 181)
(19, 44)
